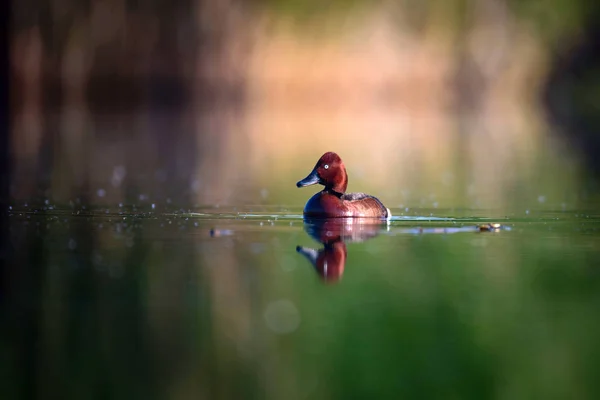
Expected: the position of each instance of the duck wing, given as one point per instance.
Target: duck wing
(356, 196)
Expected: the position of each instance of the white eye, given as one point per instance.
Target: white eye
(326, 166)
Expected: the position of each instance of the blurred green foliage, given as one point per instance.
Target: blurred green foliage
(552, 20)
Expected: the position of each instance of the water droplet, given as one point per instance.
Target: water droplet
(153, 206)
(101, 192)
(541, 199)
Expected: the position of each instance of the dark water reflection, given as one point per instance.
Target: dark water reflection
(183, 306)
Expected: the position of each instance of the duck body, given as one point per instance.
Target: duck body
(327, 204)
(333, 201)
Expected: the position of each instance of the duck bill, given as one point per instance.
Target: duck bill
(311, 179)
(310, 254)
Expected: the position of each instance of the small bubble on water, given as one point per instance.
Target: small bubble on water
(541, 199)
(527, 212)
(153, 206)
(101, 192)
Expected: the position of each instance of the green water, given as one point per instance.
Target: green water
(224, 303)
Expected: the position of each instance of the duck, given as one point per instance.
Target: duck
(333, 201)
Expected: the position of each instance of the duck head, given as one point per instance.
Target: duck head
(329, 172)
(329, 262)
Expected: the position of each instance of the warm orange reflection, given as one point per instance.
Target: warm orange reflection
(334, 233)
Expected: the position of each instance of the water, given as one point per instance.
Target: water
(254, 302)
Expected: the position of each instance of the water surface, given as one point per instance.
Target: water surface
(254, 302)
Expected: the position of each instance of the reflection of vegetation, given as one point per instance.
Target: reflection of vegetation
(164, 310)
(464, 316)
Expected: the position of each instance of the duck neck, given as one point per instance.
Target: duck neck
(333, 192)
(340, 182)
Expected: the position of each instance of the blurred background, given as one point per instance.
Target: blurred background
(486, 106)
(451, 103)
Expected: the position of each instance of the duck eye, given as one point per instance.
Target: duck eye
(326, 166)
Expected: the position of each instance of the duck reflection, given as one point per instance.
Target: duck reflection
(334, 233)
